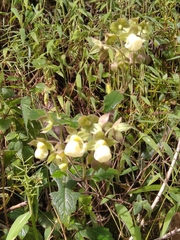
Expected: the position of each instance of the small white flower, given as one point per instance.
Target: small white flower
(41, 151)
(75, 147)
(133, 42)
(102, 152)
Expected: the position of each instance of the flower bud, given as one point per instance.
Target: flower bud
(41, 151)
(63, 167)
(133, 42)
(108, 88)
(102, 152)
(75, 147)
(114, 66)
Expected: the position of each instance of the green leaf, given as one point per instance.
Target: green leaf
(146, 100)
(23, 35)
(11, 136)
(137, 207)
(154, 179)
(1, 78)
(176, 197)
(105, 175)
(112, 100)
(150, 142)
(125, 216)
(147, 207)
(8, 156)
(17, 15)
(45, 219)
(35, 114)
(167, 220)
(7, 93)
(107, 198)
(79, 83)
(58, 174)
(65, 199)
(23, 233)
(4, 124)
(39, 62)
(168, 150)
(150, 188)
(30, 234)
(96, 233)
(50, 47)
(25, 106)
(18, 225)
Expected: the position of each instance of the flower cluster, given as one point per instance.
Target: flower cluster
(92, 141)
(76, 148)
(125, 42)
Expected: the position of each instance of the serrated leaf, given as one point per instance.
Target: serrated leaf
(18, 225)
(112, 100)
(65, 199)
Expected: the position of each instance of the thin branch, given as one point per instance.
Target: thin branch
(22, 204)
(156, 200)
(169, 234)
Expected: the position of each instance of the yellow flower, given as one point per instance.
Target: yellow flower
(133, 42)
(102, 152)
(75, 147)
(41, 151)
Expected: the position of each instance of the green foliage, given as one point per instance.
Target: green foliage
(18, 225)
(124, 214)
(65, 199)
(68, 74)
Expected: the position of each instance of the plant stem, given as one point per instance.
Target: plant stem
(32, 219)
